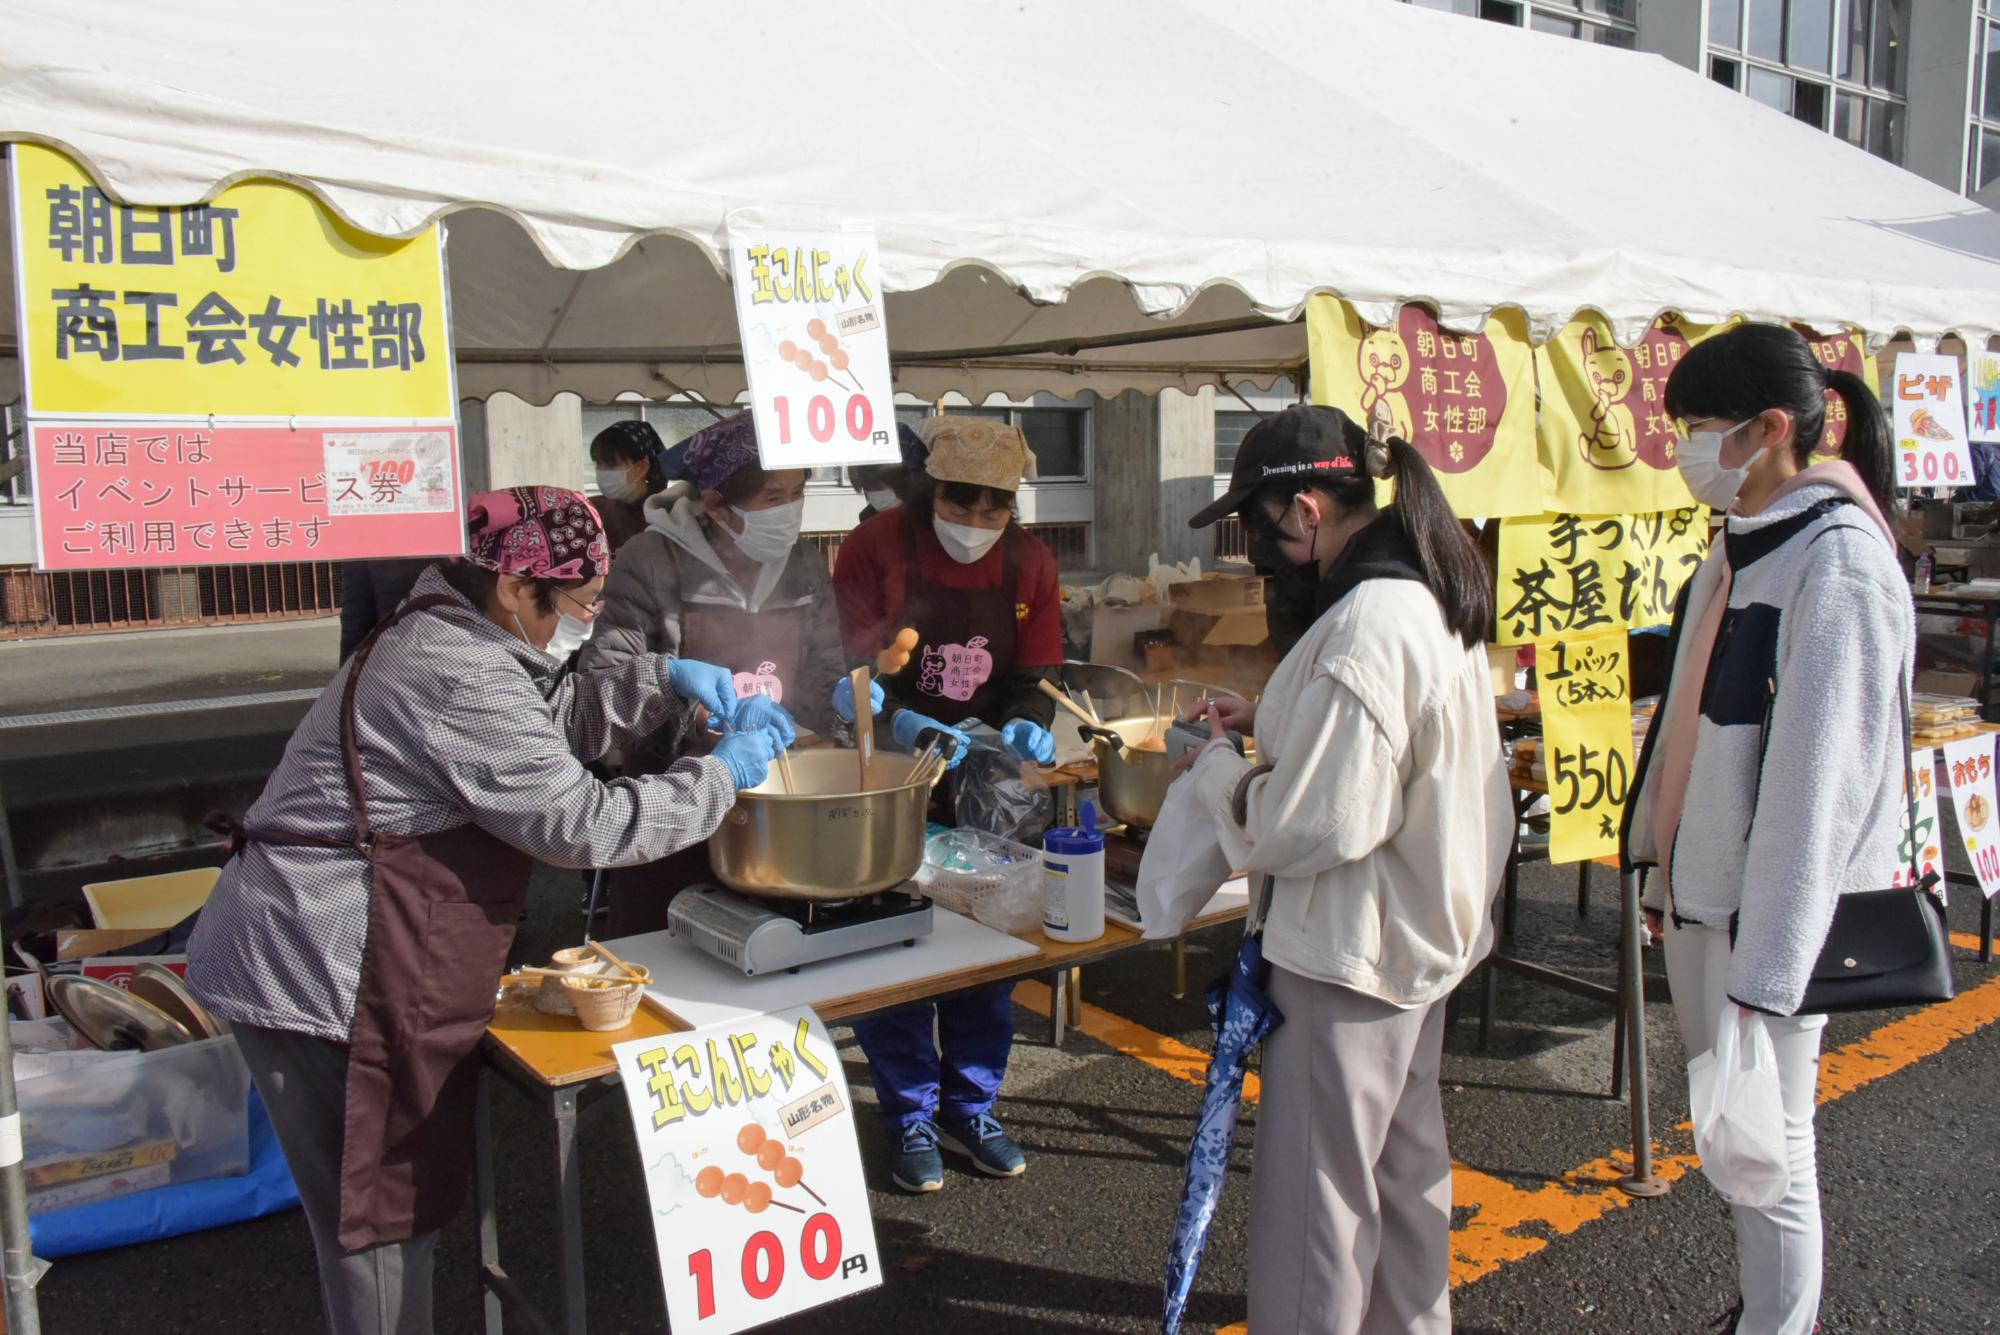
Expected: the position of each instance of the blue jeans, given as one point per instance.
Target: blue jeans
(913, 1080)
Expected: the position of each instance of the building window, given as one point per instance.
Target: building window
(1982, 151)
(13, 447)
(1230, 428)
(1836, 65)
(1725, 24)
(1059, 438)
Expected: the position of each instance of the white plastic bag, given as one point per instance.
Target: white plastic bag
(1183, 865)
(1739, 1114)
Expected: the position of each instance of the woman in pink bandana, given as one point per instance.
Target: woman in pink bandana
(366, 912)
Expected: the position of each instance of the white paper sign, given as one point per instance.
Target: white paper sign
(1982, 394)
(1930, 422)
(746, 1134)
(1927, 850)
(382, 473)
(815, 346)
(1970, 766)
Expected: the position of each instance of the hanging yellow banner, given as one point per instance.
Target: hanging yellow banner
(1607, 442)
(1590, 574)
(258, 304)
(1466, 401)
(1845, 351)
(1586, 695)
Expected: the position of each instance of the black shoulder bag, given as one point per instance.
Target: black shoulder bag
(1884, 947)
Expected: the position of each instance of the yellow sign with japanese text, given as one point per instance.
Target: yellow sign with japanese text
(1586, 695)
(259, 304)
(1466, 401)
(1591, 574)
(1607, 441)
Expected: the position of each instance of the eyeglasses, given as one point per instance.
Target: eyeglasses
(589, 610)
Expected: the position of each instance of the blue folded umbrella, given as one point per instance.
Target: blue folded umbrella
(1242, 1014)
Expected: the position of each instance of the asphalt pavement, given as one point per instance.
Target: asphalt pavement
(1910, 1167)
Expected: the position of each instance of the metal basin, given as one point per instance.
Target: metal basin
(827, 840)
(1132, 778)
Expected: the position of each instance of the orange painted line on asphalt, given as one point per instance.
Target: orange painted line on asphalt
(1966, 941)
(1509, 1222)
(1162, 1053)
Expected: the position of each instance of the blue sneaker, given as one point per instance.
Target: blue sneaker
(917, 1166)
(981, 1139)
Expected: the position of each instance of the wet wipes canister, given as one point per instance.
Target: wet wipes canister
(1073, 880)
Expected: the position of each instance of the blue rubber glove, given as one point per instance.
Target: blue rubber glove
(1029, 740)
(705, 684)
(747, 757)
(843, 699)
(908, 725)
(762, 712)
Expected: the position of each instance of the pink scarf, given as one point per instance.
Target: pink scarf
(1681, 725)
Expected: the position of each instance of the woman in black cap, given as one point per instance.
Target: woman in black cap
(1379, 820)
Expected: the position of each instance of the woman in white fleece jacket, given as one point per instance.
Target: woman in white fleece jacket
(1772, 783)
(1381, 814)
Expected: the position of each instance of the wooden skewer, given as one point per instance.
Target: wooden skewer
(611, 978)
(604, 953)
(924, 758)
(785, 772)
(1055, 693)
(1096, 719)
(864, 722)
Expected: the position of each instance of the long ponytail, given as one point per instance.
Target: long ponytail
(1867, 445)
(1458, 579)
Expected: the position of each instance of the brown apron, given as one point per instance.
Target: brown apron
(441, 915)
(764, 650)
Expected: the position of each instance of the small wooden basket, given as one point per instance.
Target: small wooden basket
(601, 1002)
(550, 998)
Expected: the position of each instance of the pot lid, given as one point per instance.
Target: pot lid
(113, 1019)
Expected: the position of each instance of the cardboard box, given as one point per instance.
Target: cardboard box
(1112, 632)
(1939, 681)
(1217, 593)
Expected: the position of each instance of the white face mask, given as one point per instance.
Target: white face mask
(881, 498)
(768, 535)
(571, 632)
(964, 543)
(613, 484)
(1700, 461)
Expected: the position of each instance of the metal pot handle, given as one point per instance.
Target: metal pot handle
(1116, 742)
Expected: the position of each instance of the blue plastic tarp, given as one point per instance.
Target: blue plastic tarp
(167, 1212)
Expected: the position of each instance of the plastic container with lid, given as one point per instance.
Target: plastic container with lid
(1073, 880)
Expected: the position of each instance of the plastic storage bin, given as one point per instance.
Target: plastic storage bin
(986, 878)
(134, 1122)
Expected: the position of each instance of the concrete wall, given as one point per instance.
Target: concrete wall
(1940, 84)
(530, 446)
(1676, 29)
(1155, 466)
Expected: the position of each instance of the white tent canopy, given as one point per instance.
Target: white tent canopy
(1056, 186)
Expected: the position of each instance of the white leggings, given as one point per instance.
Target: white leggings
(1778, 1246)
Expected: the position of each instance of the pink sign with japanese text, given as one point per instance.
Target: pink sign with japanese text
(116, 494)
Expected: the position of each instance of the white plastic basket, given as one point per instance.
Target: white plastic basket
(986, 878)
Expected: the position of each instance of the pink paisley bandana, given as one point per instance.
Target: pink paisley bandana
(540, 532)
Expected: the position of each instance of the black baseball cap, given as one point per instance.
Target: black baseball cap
(1306, 438)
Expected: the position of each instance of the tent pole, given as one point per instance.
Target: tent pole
(22, 1270)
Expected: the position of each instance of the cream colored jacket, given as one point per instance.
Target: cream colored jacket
(1386, 817)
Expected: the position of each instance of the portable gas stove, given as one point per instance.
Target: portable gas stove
(762, 936)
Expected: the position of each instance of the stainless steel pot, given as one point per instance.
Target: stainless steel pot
(826, 840)
(1133, 773)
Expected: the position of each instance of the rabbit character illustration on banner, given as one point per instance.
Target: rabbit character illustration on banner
(1610, 439)
(1384, 362)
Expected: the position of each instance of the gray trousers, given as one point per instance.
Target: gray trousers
(1350, 1190)
(383, 1290)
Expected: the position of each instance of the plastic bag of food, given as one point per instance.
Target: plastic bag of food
(998, 793)
(1739, 1114)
